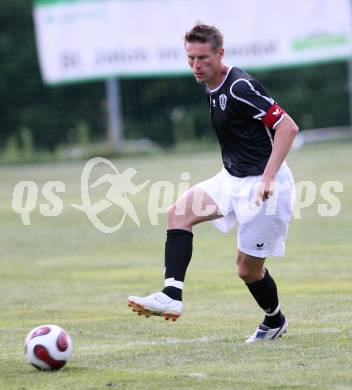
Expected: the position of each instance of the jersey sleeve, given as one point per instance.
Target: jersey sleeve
(255, 103)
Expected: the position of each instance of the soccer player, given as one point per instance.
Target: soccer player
(255, 188)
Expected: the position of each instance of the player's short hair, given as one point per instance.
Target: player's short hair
(203, 33)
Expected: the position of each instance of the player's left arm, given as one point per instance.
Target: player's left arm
(285, 132)
(255, 103)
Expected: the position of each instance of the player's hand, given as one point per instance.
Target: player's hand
(265, 189)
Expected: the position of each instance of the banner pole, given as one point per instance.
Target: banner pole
(114, 114)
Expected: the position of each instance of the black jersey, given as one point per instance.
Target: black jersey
(240, 110)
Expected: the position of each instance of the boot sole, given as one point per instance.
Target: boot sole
(141, 310)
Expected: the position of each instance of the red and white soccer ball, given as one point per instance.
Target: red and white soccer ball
(48, 347)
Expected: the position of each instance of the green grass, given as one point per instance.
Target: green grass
(62, 270)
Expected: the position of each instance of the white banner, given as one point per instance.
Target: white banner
(96, 39)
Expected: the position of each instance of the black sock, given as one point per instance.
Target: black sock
(173, 292)
(264, 292)
(178, 254)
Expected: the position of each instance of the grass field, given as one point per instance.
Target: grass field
(62, 270)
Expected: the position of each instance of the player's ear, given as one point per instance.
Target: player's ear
(221, 53)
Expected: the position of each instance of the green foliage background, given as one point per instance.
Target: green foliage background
(165, 110)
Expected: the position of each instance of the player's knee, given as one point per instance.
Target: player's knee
(249, 275)
(244, 274)
(250, 269)
(171, 217)
(177, 219)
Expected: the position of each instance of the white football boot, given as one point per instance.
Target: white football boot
(264, 333)
(158, 304)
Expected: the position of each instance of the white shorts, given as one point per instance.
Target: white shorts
(262, 230)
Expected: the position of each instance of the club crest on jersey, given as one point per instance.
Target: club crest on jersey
(223, 101)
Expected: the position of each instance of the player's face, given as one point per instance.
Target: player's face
(204, 62)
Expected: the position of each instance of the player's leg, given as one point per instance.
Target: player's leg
(262, 233)
(259, 237)
(193, 207)
(263, 289)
